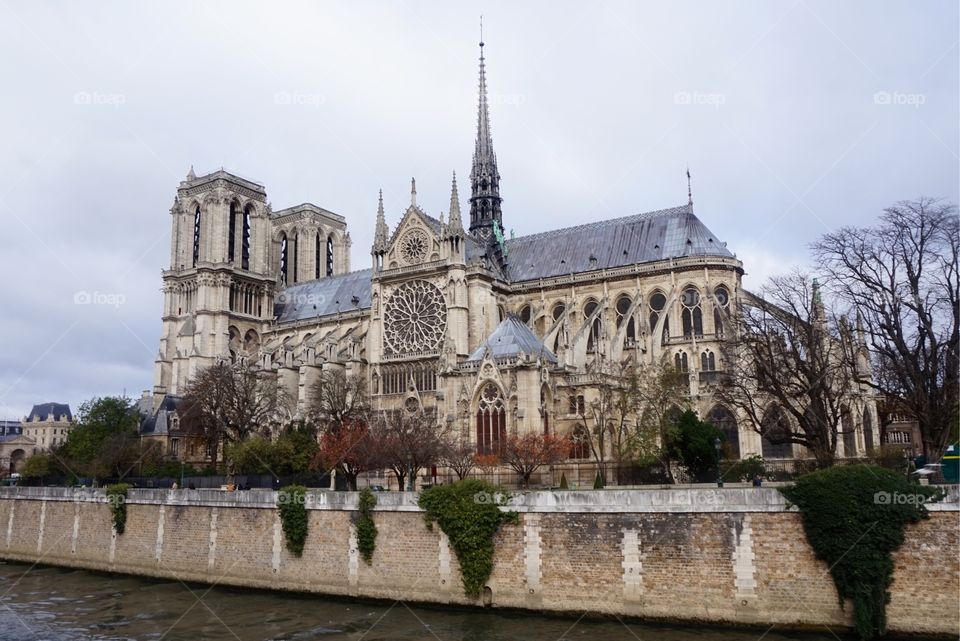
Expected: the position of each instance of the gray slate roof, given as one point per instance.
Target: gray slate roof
(50, 411)
(512, 338)
(324, 296)
(642, 238)
(159, 423)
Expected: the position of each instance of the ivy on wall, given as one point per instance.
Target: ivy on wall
(854, 517)
(117, 498)
(468, 513)
(366, 528)
(291, 503)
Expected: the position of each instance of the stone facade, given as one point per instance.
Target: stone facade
(732, 556)
(495, 335)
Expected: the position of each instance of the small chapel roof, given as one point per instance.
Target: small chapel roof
(512, 338)
(340, 293)
(641, 238)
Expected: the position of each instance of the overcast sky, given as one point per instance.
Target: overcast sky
(795, 117)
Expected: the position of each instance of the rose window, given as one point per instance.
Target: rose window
(415, 318)
(414, 245)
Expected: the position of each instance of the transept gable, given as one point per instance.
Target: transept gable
(415, 241)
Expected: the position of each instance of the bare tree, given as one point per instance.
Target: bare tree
(788, 355)
(338, 398)
(902, 276)
(226, 403)
(460, 456)
(527, 453)
(411, 441)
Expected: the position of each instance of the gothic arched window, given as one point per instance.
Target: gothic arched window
(317, 255)
(708, 361)
(623, 308)
(232, 232)
(594, 336)
(722, 419)
(196, 236)
(691, 316)
(867, 429)
(580, 443)
(721, 298)
(245, 239)
(525, 313)
(330, 255)
(283, 257)
(849, 433)
(681, 362)
(491, 421)
(774, 427)
(558, 310)
(658, 303)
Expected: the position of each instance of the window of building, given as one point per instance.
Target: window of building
(593, 338)
(525, 313)
(681, 362)
(330, 256)
(283, 257)
(558, 310)
(721, 299)
(174, 446)
(580, 443)
(691, 315)
(232, 232)
(196, 236)
(577, 405)
(775, 430)
(245, 239)
(623, 316)
(708, 361)
(658, 303)
(491, 421)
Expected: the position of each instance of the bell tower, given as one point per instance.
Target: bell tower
(218, 290)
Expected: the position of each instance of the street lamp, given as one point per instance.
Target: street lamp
(716, 449)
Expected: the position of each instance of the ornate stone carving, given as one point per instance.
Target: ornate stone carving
(414, 246)
(415, 318)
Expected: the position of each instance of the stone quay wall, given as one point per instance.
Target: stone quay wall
(722, 556)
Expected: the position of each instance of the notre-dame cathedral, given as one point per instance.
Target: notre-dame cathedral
(495, 334)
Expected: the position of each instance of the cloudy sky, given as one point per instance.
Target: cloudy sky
(795, 117)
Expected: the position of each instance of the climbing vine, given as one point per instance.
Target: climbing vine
(117, 498)
(366, 528)
(854, 517)
(291, 503)
(468, 512)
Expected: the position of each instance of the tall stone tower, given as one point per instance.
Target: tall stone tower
(219, 289)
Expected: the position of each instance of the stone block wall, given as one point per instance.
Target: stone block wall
(732, 556)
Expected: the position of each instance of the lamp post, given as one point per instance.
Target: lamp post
(716, 449)
(181, 475)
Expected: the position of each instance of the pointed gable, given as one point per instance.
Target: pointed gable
(512, 338)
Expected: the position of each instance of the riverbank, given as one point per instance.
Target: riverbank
(732, 556)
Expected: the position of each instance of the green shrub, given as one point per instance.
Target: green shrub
(366, 528)
(563, 482)
(745, 469)
(291, 503)
(598, 482)
(117, 497)
(854, 518)
(468, 512)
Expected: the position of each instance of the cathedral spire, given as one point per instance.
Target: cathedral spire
(456, 224)
(381, 232)
(413, 192)
(689, 189)
(484, 178)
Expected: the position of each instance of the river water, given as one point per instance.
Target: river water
(54, 604)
